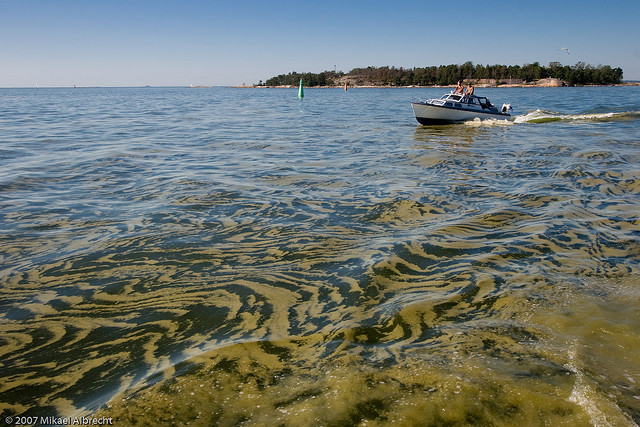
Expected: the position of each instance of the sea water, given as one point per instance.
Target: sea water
(220, 256)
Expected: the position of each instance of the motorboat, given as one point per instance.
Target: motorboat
(456, 107)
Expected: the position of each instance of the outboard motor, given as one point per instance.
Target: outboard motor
(506, 108)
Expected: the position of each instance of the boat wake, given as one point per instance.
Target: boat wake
(488, 123)
(540, 116)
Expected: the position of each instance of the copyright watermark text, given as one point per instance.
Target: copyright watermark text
(59, 421)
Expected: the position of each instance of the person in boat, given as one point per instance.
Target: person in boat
(469, 90)
(459, 88)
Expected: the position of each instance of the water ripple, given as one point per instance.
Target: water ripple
(320, 264)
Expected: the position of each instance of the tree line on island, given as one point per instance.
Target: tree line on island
(446, 75)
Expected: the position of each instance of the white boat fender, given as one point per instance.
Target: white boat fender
(506, 107)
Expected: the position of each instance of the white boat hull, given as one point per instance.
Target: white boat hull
(428, 114)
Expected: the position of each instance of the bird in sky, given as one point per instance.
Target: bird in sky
(565, 48)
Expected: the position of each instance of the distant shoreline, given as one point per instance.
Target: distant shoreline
(520, 85)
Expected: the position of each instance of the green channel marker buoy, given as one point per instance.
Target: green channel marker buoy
(301, 91)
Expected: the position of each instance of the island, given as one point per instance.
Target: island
(553, 75)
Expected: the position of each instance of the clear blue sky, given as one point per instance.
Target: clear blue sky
(131, 43)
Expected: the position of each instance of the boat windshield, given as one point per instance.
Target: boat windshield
(452, 97)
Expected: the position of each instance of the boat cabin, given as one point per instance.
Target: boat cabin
(454, 100)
